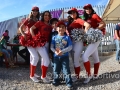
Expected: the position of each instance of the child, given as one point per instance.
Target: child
(61, 45)
(53, 23)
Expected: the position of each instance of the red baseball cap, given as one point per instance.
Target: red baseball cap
(87, 6)
(72, 9)
(60, 23)
(35, 8)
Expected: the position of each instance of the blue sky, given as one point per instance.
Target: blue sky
(15, 8)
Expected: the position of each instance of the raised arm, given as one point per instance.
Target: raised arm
(87, 26)
(21, 29)
(101, 25)
(32, 30)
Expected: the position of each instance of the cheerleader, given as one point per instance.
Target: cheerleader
(77, 43)
(26, 38)
(98, 25)
(41, 43)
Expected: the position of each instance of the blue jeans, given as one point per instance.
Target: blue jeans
(62, 64)
(117, 49)
(7, 52)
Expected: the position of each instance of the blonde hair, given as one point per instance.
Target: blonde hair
(30, 16)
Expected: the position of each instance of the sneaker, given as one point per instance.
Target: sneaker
(74, 78)
(95, 77)
(45, 80)
(37, 76)
(87, 80)
(69, 86)
(35, 79)
(119, 61)
(55, 84)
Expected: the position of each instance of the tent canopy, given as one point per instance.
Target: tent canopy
(112, 12)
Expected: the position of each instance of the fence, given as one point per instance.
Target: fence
(107, 44)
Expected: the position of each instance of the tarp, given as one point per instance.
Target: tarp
(112, 12)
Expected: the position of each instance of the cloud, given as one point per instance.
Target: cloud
(102, 2)
(6, 3)
(42, 3)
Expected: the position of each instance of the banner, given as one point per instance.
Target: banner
(81, 12)
(56, 13)
(10, 25)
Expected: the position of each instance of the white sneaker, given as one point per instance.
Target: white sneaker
(37, 76)
(35, 79)
(74, 78)
(95, 78)
(87, 80)
(45, 80)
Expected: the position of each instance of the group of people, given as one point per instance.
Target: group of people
(7, 52)
(49, 35)
(10, 54)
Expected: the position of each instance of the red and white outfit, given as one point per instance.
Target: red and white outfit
(28, 43)
(41, 43)
(91, 49)
(77, 46)
(37, 45)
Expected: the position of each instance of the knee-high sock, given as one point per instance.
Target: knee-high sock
(44, 71)
(77, 71)
(96, 68)
(87, 68)
(32, 70)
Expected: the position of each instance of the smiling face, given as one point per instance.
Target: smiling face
(46, 17)
(54, 23)
(34, 13)
(61, 29)
(73, 14)
(88, 10)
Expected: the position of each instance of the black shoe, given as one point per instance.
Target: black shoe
(119, 61)
(55, 84)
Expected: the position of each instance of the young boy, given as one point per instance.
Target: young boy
(61, 45)
(53, 23)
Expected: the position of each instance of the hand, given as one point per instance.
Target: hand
(24, 36)
(118, 38)
(60, 53)
(56, 52)
(50, 55)
(57, 49)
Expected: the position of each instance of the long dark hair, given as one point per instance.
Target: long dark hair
(88, 16)
(70, 19)
(42, 16)
(77, 15)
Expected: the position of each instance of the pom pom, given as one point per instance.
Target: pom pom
(77, 35)
(93, 35)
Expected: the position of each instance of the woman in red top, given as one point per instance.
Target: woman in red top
(96, 23)
(26, 38)
(41, 40)
(77, 46)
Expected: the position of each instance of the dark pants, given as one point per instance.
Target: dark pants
(1, 61)
(24, 53)
(62, 64)
(15, 51)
